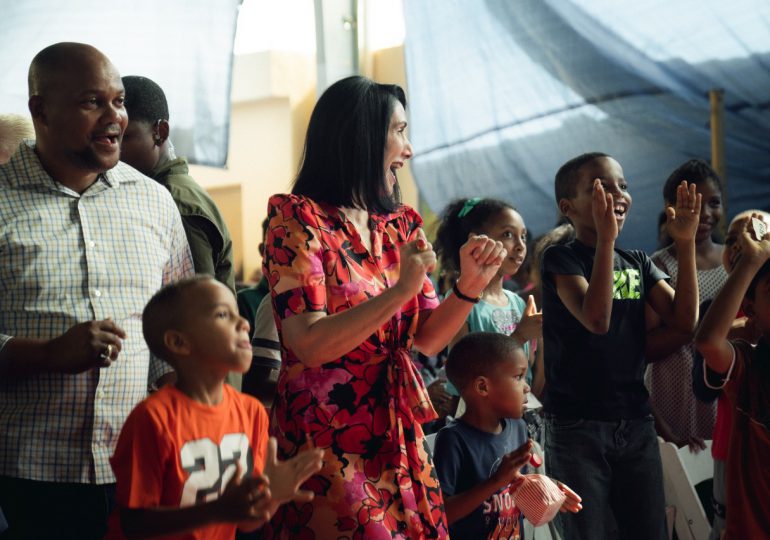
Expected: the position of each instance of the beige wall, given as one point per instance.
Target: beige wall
(273, 95)
(268, 117)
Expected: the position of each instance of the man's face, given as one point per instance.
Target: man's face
(138, 148)
(83, 117)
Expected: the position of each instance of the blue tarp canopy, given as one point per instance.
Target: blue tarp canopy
(503, 92)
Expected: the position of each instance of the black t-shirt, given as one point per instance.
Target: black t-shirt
(464, 457)
(597, 377)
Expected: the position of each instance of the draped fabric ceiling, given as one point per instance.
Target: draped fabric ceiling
(503, 92)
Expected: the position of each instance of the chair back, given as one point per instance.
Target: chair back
(682, 471)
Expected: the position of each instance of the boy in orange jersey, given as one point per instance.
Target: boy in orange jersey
(193, 460)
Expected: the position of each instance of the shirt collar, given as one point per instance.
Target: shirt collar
(25, 169)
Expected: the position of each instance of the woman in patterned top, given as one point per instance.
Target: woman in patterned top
(347, 265)
(680, 418)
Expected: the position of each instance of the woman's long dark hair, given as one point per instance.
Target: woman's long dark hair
(343, 161)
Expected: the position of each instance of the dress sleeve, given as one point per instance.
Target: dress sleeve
(293, 256)
(138, 461)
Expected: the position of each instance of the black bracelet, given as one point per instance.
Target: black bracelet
(461, 296)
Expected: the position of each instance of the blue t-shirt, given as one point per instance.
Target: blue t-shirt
(465, 456)
(486, 317)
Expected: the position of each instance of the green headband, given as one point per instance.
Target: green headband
(468, 206)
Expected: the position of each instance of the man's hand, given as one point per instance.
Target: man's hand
(92, 344)
(441, 400)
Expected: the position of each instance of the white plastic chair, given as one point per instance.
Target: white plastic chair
(431, 440)
(682, 471)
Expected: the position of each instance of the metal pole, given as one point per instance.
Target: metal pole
(716, 101)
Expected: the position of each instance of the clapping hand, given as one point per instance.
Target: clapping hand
(245, 500)
(573, 501)
(531, 324)
(683, 218)
(603, 208)
(750, 249)
(286, 477)
(480, 260)
(509, 470)
(417, 260)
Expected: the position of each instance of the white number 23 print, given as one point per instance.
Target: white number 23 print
(211, 467)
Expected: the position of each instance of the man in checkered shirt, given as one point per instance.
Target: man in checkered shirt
(84, 242)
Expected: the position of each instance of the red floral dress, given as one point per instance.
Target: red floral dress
(364, 409)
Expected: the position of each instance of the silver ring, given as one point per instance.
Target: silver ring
(106, 355)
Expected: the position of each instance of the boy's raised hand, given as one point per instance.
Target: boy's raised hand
(750, 249)
(287, 476)
(573, 501)
(531, 324)
(509, 471)
(603, 207)
(683, 218)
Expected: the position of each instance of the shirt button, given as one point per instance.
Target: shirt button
(97, 293)
(100, 394)
(91, 244)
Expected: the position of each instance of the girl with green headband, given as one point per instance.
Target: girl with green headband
(498, 309)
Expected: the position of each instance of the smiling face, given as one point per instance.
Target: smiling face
(398, 148)
(508, 386)
(579, 209)
(216, 336)
(80, 117)
(507, 226)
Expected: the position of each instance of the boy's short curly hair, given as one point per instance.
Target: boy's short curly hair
(477, 355)
(165, 312)
(565, 184)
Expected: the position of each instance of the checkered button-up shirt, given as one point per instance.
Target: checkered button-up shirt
(67, 258)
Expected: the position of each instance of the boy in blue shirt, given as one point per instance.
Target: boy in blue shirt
(599, 434)
(479, 456)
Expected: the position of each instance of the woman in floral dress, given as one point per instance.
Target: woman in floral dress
(347, 265)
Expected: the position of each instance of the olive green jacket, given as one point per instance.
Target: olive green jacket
(207, 234)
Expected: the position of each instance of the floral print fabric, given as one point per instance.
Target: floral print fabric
(364, 409)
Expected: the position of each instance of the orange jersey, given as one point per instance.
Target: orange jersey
(174, 452)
